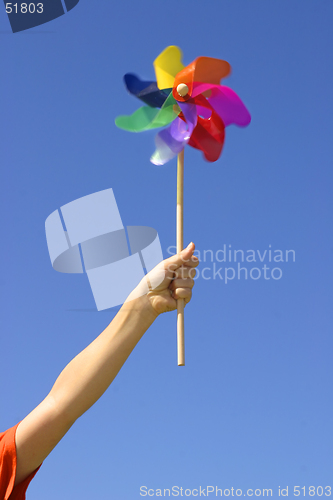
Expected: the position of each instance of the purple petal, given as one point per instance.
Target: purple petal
(172, 140)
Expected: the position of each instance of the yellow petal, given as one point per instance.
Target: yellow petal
(167, 65)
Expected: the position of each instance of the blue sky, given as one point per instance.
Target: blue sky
(253, 406)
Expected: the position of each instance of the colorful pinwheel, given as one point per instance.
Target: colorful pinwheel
(190, 100)
(196, 108)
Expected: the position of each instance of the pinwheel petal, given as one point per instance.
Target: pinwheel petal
(167, 65)
(172, 140)
(229, 107)
(204, 70)
(167, 147)
(190, 113)
(148, 92)
(203, 139)
(225, 102)
(147, 118)
(208, 135)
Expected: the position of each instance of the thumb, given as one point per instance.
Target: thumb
(185, 257)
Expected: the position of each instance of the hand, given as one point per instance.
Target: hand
(170, 280)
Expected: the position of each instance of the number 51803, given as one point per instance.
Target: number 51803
(24, 8)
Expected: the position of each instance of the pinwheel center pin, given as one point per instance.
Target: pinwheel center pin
(182, 89)
(194, 113)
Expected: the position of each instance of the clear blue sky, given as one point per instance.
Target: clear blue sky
(253, 406)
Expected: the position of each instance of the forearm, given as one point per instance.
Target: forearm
(89, 374)
(80, 385)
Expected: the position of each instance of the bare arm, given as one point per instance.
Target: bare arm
(90, 373)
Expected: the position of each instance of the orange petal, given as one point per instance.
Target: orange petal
(204, 70)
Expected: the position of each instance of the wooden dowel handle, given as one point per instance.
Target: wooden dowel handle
(180, 332)
(180, 233)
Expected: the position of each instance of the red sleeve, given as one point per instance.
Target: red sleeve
(8, 468)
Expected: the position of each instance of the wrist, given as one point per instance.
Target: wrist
(142, 307)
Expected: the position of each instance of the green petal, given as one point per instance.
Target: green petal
(147, 118)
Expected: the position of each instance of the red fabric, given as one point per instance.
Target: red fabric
(8, 468)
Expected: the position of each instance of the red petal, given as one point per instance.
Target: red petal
(208, 135)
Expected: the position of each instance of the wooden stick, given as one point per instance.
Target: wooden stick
(179, 228)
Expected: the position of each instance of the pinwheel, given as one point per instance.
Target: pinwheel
(194, 109)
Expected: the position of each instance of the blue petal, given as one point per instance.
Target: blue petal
(148, 92)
